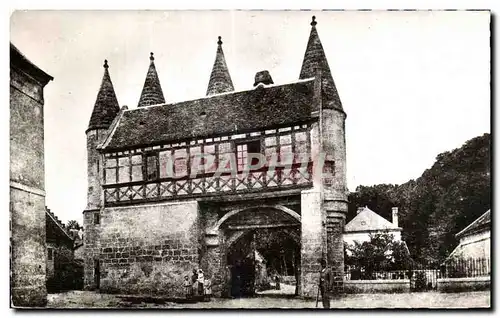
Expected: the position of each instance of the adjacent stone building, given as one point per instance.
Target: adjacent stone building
(175, 187)
(63, 271)
(27, 174)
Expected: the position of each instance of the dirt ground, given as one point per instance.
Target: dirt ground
(87, 299)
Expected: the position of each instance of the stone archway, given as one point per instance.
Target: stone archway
(234, 212)
(236, 225)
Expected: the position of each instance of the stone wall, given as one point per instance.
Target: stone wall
(91, 249)
(312, 241)
(377, 286)
(27, 195)
(148, 249)
(94, 168)
(213, 257)
(463, 284)
(61, 269)
(335, 253)
(27, 248)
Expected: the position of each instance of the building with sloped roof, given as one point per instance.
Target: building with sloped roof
(367, 222)
(475, 239)
(174, 187)
(64, 272)
(27, 182)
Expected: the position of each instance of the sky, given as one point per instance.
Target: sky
(413, 84)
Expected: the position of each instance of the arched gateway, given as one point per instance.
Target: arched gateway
(248, 247)
(162, 201)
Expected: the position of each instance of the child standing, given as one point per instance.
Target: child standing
(208, 288)
(188, 287)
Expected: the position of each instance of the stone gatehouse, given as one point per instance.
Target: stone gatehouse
(155, 211)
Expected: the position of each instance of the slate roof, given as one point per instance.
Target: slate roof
(220, 80)
(236, 112)
(18, 60)
(58, 228)
(152, 93)
(315, 57)
(367, 220)
(481, 223)
(106, 104)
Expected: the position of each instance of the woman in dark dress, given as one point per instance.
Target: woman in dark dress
(194, 280)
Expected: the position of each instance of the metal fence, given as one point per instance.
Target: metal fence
(425, 276)
(466, 267)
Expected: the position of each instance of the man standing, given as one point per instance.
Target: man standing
(325, 283)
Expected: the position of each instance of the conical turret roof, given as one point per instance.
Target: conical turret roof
(106, 104)
(152, 93)
(315, 57)
(220, 80)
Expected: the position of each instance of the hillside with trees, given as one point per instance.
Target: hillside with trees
(433, 208)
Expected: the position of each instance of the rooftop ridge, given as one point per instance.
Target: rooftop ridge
(223, 94)
(57, 221)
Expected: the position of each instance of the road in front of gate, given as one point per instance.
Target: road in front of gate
(87, 299)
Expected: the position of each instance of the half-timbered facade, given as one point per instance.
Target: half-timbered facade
(179, 186)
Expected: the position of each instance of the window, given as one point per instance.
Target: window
(110, 171)
(180, 162)
(242, 151)
(166, 164)
(241, 155)
(50, 255)
(151, 167)
(209, 158)
(123, 169)
(225, 154)
(285, 152)
(196, 159)
(270, 150)
(97, 219)
(254, 148)
(301, 150)
(136, 168)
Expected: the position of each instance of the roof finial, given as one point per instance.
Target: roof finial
(151, 57)
(105, 64)
(220, 40)
(313, 22)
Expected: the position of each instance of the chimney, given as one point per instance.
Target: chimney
(395, 216)
(263, 77)
(360, 209)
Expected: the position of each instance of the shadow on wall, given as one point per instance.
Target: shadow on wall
(67, 276)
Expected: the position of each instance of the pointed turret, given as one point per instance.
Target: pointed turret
(106, 104)
(220, 80)
(152, 93)
(315, 58)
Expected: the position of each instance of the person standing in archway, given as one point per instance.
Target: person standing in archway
(325, 283)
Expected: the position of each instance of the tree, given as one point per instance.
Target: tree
(446, 198)
(381, 253)
(73, 225)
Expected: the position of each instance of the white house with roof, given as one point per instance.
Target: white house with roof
(367, 223)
